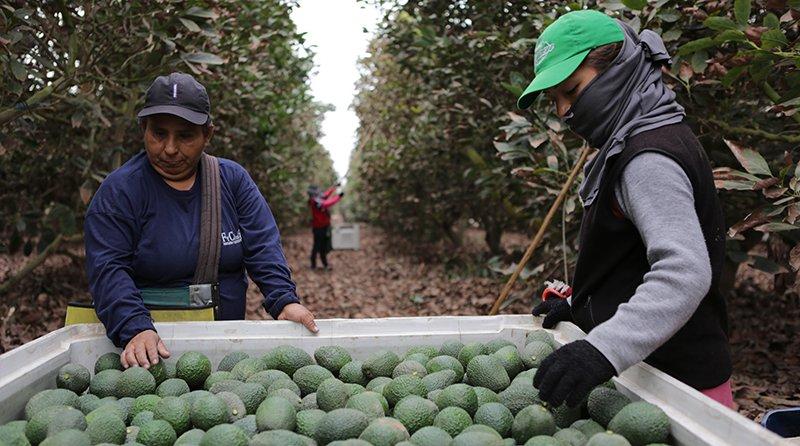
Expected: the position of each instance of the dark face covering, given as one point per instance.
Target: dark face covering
(628, 98)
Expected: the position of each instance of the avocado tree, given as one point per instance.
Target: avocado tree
(438, 99)
(74, 75)
(735, 71)
(430, 102)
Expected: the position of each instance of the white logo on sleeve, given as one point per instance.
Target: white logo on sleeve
(231, 238)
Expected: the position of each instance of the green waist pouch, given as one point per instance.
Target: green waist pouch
(192, 296)
(191, 303)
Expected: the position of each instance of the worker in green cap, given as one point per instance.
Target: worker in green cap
(652, 239)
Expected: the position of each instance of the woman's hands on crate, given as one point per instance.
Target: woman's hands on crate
(298, 313)
(143, 350)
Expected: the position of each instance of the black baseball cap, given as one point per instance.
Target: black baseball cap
(178, 94)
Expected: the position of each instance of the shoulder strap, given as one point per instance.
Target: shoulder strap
(210, 222)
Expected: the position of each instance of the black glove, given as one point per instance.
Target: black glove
(556, 310)
(570, 373)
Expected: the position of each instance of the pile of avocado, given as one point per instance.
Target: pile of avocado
(478, 394)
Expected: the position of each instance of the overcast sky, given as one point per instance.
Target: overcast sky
(335, 29)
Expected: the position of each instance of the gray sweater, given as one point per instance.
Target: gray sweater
(656, 195)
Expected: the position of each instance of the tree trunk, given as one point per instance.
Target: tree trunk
(494, 234)
(452, 235)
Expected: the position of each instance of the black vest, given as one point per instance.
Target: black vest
(612, 261)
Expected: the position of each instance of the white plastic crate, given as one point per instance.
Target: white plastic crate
(345, 236)
(695, 419)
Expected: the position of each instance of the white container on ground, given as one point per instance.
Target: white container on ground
(695, 419)
(345, 236)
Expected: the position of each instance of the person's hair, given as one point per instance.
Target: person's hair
(601, 57)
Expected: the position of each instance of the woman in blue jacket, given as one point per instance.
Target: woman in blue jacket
(142, 227)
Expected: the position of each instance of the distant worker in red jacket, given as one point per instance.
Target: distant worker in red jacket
(320, 204)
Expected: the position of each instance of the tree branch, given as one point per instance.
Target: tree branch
(11, 113)
(31, 265)
(793, 139)
(776, 98)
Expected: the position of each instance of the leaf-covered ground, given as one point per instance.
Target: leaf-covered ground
(765, 348)
(378, 281)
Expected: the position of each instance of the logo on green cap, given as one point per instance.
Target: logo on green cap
(542, 51)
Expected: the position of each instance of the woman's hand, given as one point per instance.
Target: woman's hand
(555, 310)
(300, 314)
(143, 350)
(571, 372)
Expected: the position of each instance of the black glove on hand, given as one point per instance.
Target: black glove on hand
(556, 310)
(571, 372)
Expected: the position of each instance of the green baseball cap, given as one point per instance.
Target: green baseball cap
(564, 44)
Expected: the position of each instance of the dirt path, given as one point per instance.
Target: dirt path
(376, 281)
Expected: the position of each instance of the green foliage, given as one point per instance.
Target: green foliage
(442, 142)
(75, 73)
(430, 101)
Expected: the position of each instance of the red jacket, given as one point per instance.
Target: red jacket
(320, 215)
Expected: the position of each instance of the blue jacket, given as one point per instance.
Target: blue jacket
(142, 233)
